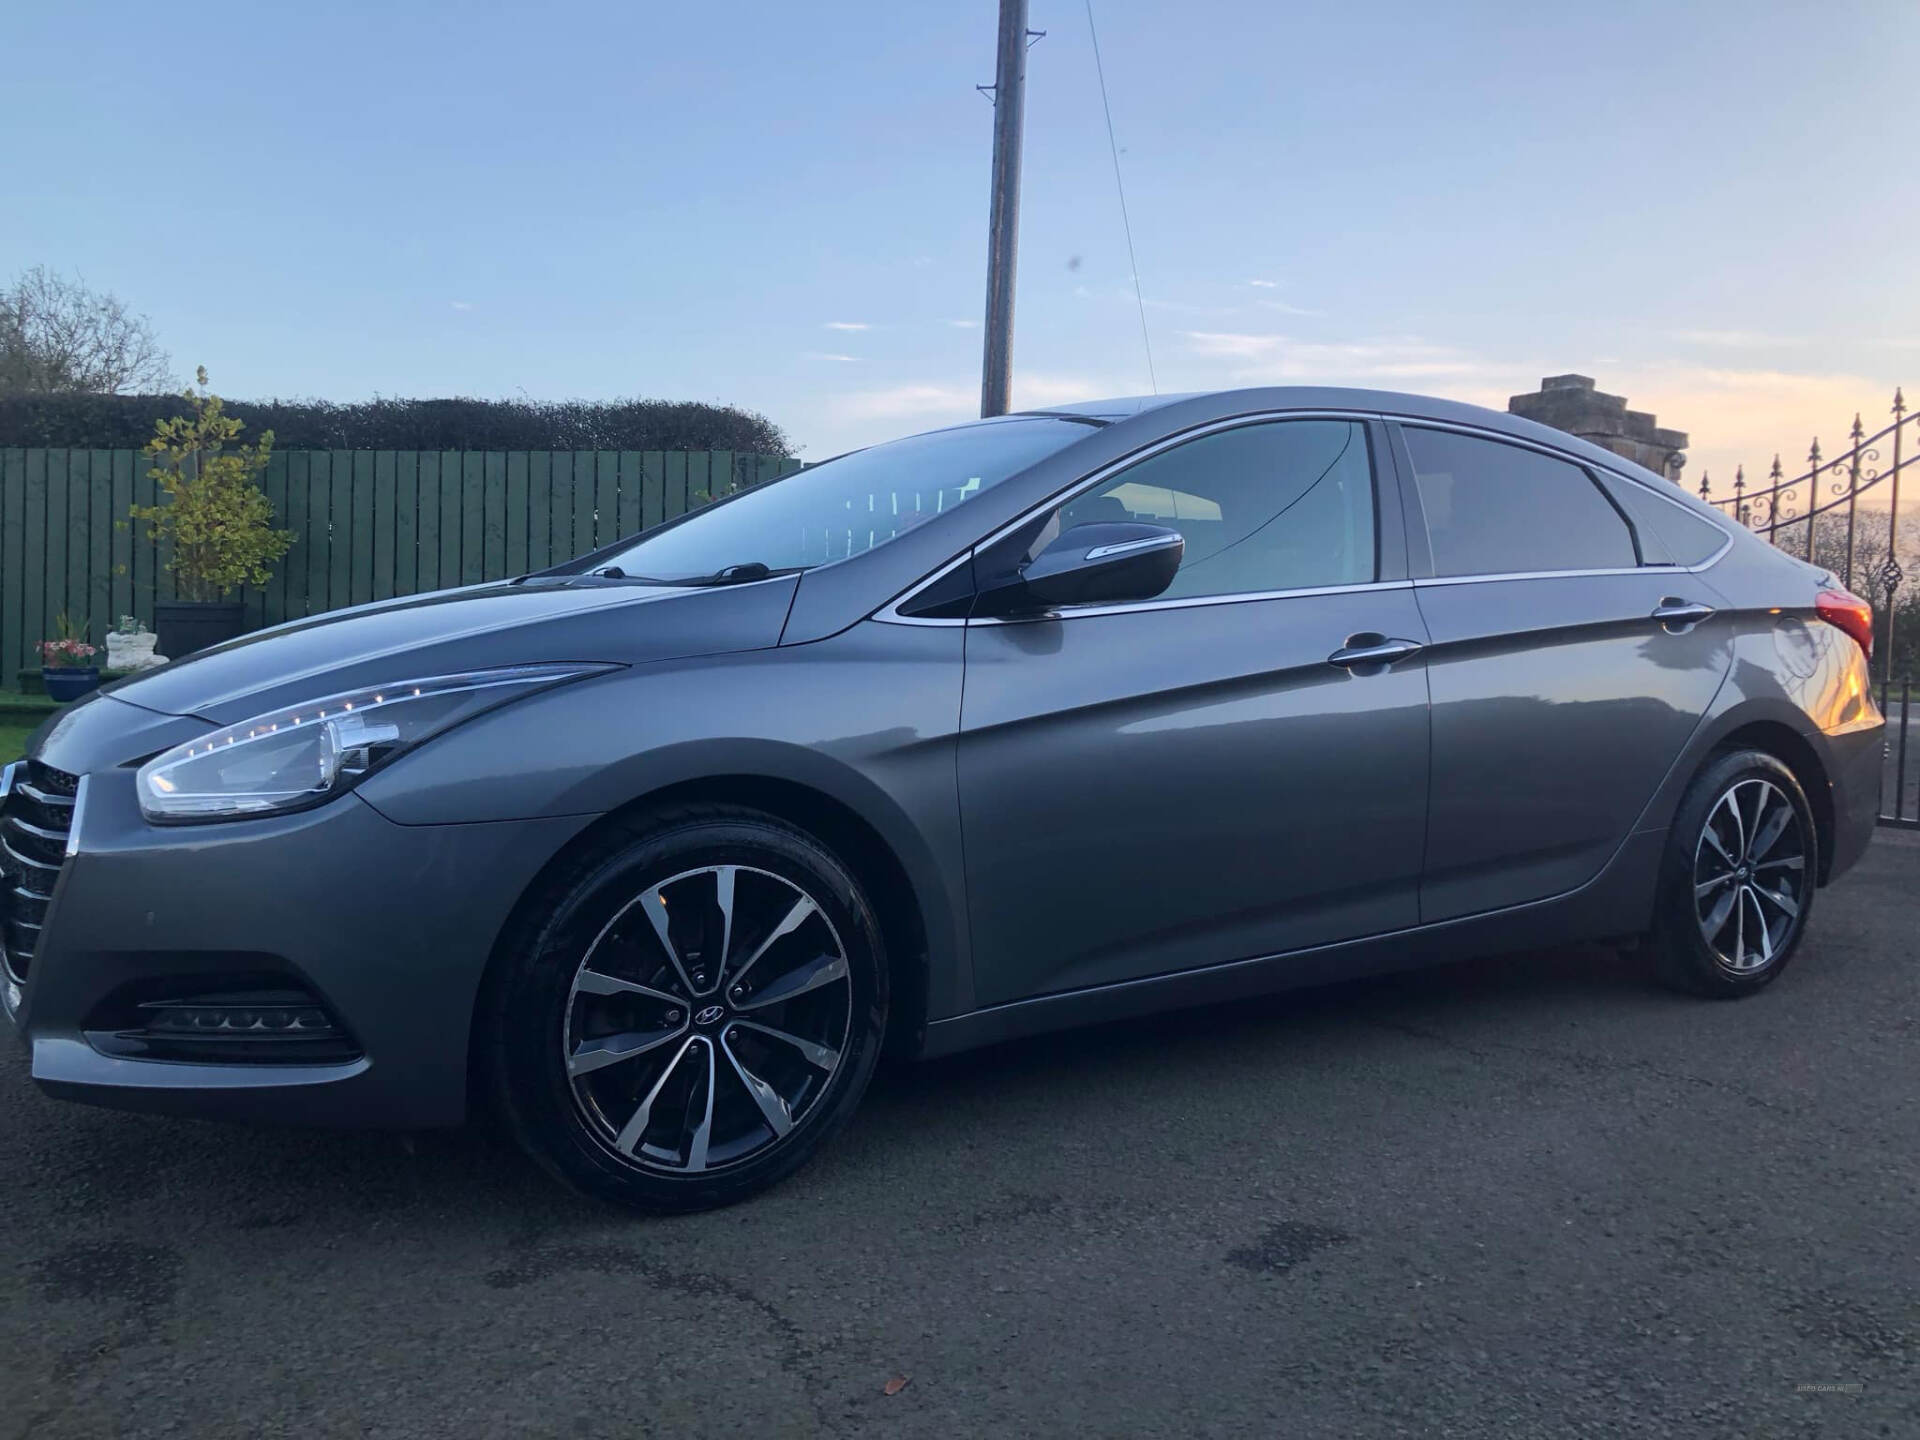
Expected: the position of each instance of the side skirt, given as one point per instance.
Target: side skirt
(1617, 901)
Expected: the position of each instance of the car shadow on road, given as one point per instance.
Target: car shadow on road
(1522, 983)
(271, 1179)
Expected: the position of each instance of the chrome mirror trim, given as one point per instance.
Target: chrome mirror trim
(1127, 547)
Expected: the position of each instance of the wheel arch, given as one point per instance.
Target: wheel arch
(907, 914)
(1794, 750)
(1770, 724)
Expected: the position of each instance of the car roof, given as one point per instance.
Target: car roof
(1221, 404)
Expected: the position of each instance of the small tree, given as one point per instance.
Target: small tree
(218, 520)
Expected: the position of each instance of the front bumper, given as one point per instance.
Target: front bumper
(389, 925)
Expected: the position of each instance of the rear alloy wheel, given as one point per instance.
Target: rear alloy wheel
(1742, 861)
(701, 1008)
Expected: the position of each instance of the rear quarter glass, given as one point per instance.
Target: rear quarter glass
(1668, 532)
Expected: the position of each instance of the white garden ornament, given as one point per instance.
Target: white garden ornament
(130, 646)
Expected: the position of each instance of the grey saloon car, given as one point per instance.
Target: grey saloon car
(1043, 720)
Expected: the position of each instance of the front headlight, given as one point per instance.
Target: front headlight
(305, 754)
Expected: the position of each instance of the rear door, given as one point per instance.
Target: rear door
(1569, 663)
(1153, 787)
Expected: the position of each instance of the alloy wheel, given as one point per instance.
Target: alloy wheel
(706, 1019)
(1750, 875)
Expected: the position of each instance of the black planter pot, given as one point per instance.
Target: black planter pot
(185, 626)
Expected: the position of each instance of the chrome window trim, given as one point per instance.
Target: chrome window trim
(1574, 574)
(889, 614)
(6, 779)
(1189, 602)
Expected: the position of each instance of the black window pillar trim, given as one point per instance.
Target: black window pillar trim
(1390, 529)
(1414, 526)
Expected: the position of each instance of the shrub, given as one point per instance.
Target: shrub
(218, 518)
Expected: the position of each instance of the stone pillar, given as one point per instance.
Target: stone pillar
(1570, 403)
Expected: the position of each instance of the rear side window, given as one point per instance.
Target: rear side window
(1495, 509)
(1668, 531)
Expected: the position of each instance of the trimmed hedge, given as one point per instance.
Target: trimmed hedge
(118, 422)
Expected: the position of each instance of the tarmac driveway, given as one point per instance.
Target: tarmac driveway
(1531, 1196)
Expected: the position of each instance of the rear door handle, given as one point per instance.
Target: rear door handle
(1678, 614)
(1377, 652)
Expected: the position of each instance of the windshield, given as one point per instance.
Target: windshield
(848, 505)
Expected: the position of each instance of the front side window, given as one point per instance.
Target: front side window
(1285, 505)
(1495, 509)
(848, 505)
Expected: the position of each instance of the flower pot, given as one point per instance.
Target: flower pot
(185, 626)
(64, 684)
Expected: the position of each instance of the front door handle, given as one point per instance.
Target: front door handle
(1678, 615)
(1376, 650)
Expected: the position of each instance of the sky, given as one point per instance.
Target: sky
(784, 206)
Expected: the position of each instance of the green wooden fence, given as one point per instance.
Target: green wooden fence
(367, 525)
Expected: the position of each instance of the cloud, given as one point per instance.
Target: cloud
(829, 355)
(1285, 309)
(1263, 284)
(1178, 307)
(1731, 339)
(964, 324)
(1745, 417)
(911, 401)
(847, 325)
(1216, 344)
(461, 304)
(1733, 415)
(1040, 391)
(1266, 359)
(933, 402)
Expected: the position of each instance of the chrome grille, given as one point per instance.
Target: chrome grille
(34, 821)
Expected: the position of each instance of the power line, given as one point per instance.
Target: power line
(1120, 185)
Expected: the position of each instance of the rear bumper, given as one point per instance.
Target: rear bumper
(389, 926)
(1857, 770)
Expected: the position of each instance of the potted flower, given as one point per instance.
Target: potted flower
(66, 663)
(216, 521)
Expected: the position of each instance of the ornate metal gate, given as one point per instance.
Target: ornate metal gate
(1818, 514)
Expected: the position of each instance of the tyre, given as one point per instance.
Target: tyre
(689, 1010)
(1738, 878)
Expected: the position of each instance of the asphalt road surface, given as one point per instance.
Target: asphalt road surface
(1528, 1197)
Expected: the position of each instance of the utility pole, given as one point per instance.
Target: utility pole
(1009, 115)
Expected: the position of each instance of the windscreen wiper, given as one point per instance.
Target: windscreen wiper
(729, 575)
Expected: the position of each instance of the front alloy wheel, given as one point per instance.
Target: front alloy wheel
(688, 1009)
(707, 1018)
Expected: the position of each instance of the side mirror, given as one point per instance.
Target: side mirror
(1099, 564)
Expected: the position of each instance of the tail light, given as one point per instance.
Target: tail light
(1850, 613)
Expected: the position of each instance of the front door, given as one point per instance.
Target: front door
(1155, 787)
